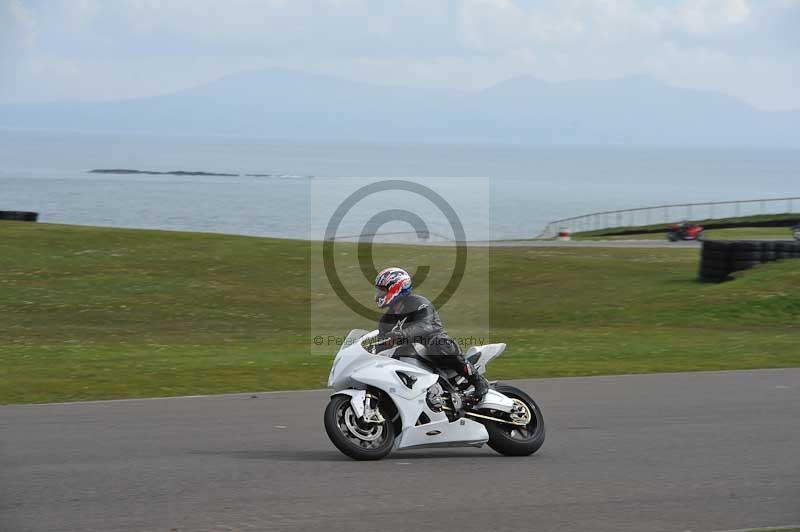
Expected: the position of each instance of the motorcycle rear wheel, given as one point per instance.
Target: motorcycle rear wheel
(353, 437)
(511, 440)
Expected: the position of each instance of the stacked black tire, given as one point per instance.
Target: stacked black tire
(720, 258)
(19, 216)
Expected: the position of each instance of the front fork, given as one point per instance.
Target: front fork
(365, 404)
(371, 412)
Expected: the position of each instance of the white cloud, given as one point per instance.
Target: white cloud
(492, 24)
(501, 24)
(21, 22)
(344, 3)
(97, 48)
(702, 17)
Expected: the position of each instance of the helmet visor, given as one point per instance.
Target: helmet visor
(380, 295)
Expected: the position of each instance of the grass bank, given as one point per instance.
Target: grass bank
(771, 226)
(93, 313)
(738, 233)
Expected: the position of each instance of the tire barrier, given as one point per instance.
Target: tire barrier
(720, 258)
(19, 216)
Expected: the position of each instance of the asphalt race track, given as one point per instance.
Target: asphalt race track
(671, 452)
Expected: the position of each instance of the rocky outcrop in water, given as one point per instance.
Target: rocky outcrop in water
(151, 172)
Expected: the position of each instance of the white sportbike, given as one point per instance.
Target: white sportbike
(397, 399)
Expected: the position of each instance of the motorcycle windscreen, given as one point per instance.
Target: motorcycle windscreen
(352, 337)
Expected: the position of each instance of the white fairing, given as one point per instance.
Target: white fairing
(486, 353)
(355, 368)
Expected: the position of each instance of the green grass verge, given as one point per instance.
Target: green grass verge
(773, 529)
(787, 220)
(95, 313)
(737, 233)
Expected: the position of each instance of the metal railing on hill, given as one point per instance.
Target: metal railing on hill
(665, 214)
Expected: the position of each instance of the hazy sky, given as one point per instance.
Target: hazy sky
(110, 49)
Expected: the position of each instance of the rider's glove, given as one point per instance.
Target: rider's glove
(395, 337)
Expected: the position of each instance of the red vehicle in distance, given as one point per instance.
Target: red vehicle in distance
(684, 231)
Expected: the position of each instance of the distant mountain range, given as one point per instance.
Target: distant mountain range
(285, 104)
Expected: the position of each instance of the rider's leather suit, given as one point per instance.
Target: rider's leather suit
(421, 324)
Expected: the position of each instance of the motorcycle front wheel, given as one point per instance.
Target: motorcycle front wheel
(517, 440)
(354, 437)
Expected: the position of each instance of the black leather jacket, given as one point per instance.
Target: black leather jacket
(421, 323)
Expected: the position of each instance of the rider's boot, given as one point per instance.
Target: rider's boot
(481, 386)
(477, 380)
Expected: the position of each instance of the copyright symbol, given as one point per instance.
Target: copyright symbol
(318, 340)
(365, 242)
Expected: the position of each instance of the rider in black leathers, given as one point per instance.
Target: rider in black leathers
(411, 318)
